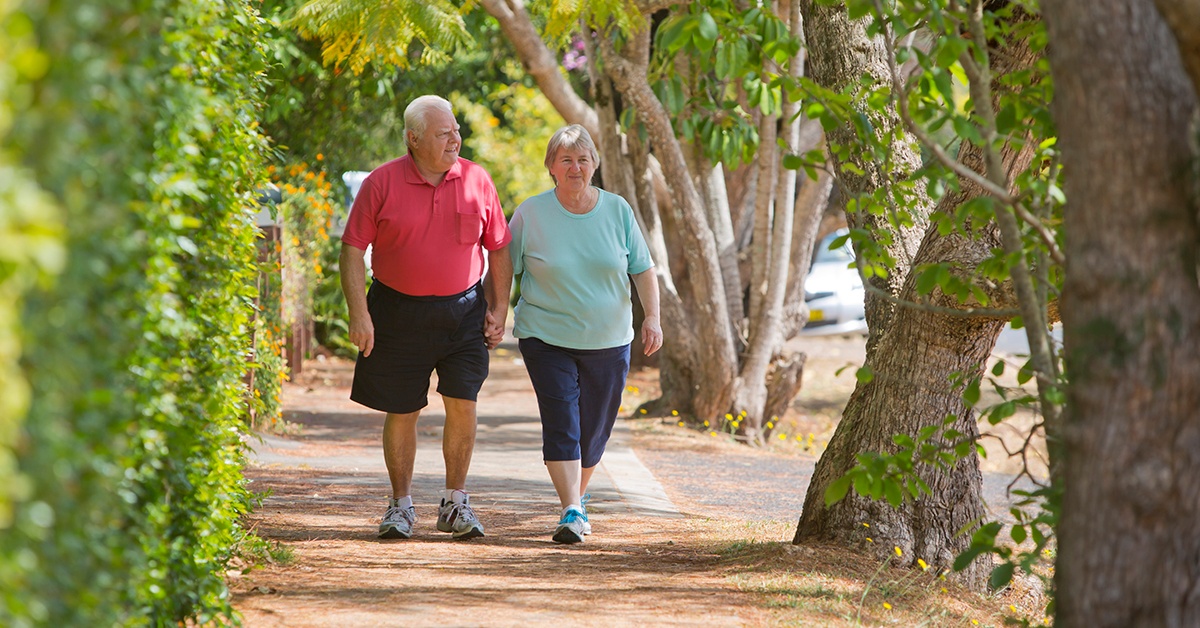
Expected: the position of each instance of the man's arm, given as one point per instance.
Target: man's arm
(497, 288)
(354, 283)
(646, 283)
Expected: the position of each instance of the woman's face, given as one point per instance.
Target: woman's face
(573, 168)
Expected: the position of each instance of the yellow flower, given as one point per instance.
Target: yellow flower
(621, 409)
(728, 417)
(1012, 608)
(974, 622)
(320, 157)
(712, 433)
(898, 551)
(706, 424)
(870, 540)
(799, 437)
(674, 413)
(783, 437)
(770, 425)
(681, 424)
(642, 411)
(866, 525)
(944, 590)
(887, 606)
(924, 565)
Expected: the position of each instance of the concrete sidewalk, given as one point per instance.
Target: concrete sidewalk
(340, 440)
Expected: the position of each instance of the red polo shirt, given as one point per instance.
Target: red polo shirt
(427, 240)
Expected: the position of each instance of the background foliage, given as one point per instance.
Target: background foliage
(138, 118)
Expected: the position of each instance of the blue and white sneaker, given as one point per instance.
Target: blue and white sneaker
(587, 525)
(570, 527)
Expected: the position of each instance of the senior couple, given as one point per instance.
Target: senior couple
(429, 216)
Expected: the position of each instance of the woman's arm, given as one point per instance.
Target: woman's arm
(646, 283)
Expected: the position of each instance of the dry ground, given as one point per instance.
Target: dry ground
(726, 562)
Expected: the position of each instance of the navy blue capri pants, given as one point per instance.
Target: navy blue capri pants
(579, 395)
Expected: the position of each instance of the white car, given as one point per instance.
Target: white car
(834, 292)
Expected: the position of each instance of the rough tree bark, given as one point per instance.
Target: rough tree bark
(913, 354)
(1129, 537)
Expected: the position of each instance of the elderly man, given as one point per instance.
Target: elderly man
(429, 216)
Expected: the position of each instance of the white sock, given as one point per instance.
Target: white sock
(403, 502)
(570, 506)
(456, 495)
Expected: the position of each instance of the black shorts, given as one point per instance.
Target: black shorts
(415, 336)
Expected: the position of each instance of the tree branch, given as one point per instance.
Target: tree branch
(541, 64)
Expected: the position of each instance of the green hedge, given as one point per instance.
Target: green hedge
(141, 127)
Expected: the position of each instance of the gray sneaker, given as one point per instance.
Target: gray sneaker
(397, 523)
(459, 520)
(570, 527)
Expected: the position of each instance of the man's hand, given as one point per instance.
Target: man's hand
(493, 327)
(362, 333)
(652, 336)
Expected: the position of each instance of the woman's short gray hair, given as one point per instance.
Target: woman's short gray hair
(416, 114)
(571, 137)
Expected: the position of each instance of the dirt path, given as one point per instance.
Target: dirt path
(645, 564)
(675, 513)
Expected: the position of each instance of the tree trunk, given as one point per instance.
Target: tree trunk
(912, 364)
(1129, 537)
(708, 387)
(840, 52)
(913, 354)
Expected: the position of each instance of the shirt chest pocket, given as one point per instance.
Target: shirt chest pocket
(470, 227)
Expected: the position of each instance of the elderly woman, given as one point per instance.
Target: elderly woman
(575, 247)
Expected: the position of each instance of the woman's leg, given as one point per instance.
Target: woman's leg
(567, 478)
(584, 478)
(555, 377)
(601, 381)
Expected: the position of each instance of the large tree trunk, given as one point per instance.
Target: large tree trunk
(1129, 537)
(840, 52)
(913, 354)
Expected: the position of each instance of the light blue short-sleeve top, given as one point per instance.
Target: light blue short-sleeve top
(574, 271)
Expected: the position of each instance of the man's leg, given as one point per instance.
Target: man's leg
(400, 450)
(458, 441)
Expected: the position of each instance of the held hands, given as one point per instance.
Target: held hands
(652, 336)
(362, 333)
(493, 327)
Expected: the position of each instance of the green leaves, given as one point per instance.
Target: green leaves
(145, 141)
(726, 76)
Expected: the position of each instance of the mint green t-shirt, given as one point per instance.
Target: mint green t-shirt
(575, 271)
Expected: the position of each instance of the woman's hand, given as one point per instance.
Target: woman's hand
(652, 336)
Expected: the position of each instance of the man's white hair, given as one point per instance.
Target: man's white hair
(416, 115)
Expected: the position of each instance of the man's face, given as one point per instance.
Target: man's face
(436, 149)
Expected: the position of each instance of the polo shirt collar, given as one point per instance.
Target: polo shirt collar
(411, 175)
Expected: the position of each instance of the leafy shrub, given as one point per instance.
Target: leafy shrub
(142, 129)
